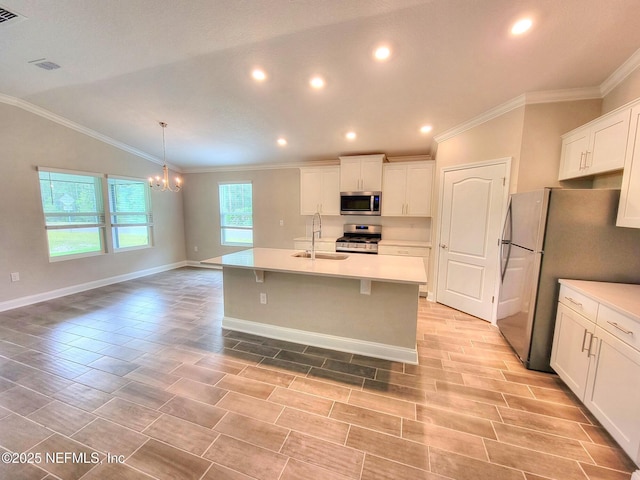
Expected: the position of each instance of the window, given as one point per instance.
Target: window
(236, 213)
(73, 212)
(130, 210)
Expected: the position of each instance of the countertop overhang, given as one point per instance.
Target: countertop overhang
(382, 268)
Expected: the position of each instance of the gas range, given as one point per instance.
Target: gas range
(360, 239)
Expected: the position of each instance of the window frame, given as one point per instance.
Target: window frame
(221, 213)
(98, 180)
(112, 214)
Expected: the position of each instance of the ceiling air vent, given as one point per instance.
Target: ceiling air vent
(9, 18)
(47, 65)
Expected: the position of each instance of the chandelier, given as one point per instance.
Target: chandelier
(162, 184)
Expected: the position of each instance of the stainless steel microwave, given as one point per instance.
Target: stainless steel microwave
(360, 203)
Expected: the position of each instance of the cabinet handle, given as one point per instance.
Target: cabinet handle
(623, 330)
(584, 337)
(586, 157)
(442, 245)
(581, 160)
(576, 303)
(591, 345)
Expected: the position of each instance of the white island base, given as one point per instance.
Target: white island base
(303, 302)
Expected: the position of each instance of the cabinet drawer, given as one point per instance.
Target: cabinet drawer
(578, 302)
(408, 251)
(620, 326)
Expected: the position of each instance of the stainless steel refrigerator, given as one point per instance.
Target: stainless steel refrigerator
(550, 234)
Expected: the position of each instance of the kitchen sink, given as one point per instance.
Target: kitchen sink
(322, 255)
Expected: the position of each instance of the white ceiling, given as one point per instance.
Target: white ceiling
(128, 64)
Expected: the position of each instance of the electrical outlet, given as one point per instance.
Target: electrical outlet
(195, 248)
(15, 276)
(263, 298)
(282, 223)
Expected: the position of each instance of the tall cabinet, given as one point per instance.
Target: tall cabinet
(629, 208)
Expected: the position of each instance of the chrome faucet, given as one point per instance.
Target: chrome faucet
(313, 233)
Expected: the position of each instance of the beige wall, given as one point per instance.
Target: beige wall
(624, 93)
(28, 141)
(498, 138)
(544, 123)
(530, 135)
(276, 196)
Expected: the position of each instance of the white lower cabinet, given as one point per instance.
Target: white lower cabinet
(408, 249)
(595, 352)
(613, 390)
(570, 355)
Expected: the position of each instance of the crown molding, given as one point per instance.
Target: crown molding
(277, 166)
(622, 72)
(41, 112)
(568, 95)
(531, 98)
(495, 112)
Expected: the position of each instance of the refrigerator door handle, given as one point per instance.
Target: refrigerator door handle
(508, 227)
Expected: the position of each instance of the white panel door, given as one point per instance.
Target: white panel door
(472, 205)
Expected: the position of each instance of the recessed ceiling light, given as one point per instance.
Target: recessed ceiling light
(350, 135)
(259, 74)
(282, 141)
(426, 128)
(382, 53)
(317, 82)
(521, 26)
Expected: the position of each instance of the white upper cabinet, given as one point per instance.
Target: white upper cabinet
(597, 147)
(361, 173)
(629, 207)
(320, 190)
(406, 189)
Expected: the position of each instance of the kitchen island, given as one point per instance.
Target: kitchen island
(364, 304)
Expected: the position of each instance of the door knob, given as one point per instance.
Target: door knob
(442, 245)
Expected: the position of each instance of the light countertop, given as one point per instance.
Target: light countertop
(622, 297)
(383, 268)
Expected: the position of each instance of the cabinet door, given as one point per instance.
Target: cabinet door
(629, 208)
(350, 175)
(330, 194)
(393, 190)
(310, 190)
(371, 174)
(570, 351)
(613, 391)
(574, 148)
(418, 193)
(608, 143)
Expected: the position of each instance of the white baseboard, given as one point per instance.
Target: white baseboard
(360, 347)
(61, 292)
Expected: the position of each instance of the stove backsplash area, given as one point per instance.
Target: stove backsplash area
(394, 228)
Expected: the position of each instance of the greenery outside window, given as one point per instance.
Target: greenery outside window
(236, 214)
(73, 212)
(130, 210)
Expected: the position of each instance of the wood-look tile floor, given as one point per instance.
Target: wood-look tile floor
(142, 372)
